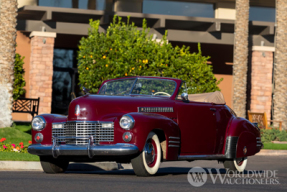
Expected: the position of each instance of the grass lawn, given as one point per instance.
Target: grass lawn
(275, 146)
(13, 156)
(20, 133)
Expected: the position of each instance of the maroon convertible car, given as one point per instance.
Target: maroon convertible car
(145, 121)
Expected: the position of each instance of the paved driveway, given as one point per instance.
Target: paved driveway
(172, 176)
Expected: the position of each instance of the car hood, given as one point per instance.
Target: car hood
(102, 107)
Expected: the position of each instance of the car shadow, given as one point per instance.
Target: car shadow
(90, 169)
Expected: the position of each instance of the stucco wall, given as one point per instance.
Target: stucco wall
(225, 10)
(21, 3)
(24, 49)
(226, 87)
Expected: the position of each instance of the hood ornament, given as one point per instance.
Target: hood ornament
(85, 90)
(77, 110)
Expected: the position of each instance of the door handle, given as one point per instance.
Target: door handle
(212, 109)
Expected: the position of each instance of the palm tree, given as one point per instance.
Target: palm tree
(75, 3)
(8, 13)
(240, 60)
(280, 71)
(92, 4)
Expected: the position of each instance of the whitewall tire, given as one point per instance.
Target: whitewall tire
(238, 164)
(148, 162)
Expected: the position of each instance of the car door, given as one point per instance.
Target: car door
(197, 123)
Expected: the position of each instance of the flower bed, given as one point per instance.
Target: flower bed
(11, 147)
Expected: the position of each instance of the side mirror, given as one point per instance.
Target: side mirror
(85, 90)
(184, 96)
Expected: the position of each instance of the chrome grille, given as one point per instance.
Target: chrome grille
(73, 132)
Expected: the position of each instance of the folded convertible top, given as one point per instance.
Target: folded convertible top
(213, 97)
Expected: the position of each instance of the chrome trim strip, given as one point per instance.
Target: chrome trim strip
(258, 141)
(90, 122)
(258, 145)
(118, 149)
(198, 157)
(173, 142)
(72, 137)
(173, 145)
(258, 138)
(171, 137)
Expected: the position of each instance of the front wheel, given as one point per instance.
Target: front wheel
(238, 164)
(148, 162)
(51, 165)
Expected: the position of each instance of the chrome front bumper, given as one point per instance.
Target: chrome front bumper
(120, 149)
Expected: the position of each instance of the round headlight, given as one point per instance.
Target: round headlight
(127, 122)
(38, 123)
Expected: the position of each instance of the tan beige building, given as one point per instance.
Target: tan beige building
(49, 32)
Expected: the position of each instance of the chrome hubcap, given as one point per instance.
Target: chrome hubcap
(239, 161)
(150, 153)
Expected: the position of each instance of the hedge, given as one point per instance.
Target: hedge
(124, 50)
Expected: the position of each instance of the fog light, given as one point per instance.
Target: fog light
(107, 125)
(127, 136)
(57, 125)
(39, 137)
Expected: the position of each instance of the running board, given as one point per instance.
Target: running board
(201, 157)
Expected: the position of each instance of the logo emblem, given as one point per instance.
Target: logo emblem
(245, 150)
(77, 110)
(197, 176)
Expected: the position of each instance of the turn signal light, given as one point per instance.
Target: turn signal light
(127, 136)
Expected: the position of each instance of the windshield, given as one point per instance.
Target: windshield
(139, 86)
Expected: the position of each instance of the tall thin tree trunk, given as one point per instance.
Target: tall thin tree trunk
(280, 64)
(8, 13)
(240, 60)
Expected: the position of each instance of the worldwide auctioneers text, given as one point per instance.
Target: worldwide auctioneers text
(197, 177)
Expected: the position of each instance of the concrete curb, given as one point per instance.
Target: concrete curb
(98, 166)
(20, 165)
(269, 152)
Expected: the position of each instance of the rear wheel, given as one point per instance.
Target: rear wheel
(148, 162)
(238, 164)
(51, 165)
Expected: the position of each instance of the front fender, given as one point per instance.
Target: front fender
(147, 122)
(47, 131)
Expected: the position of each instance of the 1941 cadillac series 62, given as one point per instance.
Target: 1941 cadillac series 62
(145, 121)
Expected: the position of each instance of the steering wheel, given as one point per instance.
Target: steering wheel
(164, 93)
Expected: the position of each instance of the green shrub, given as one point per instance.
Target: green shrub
(19, 81)
(126, 51)
(268, 135)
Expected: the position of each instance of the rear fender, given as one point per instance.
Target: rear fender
(246, 134)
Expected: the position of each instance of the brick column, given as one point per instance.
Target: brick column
(261, 79)
(41, 68)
